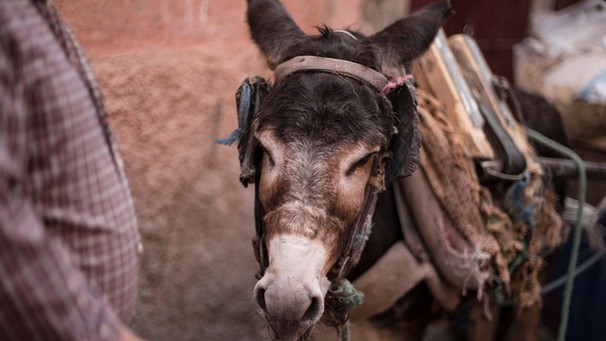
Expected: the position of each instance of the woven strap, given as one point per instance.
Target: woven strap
(331, 65)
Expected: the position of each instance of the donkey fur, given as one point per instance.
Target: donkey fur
(326, 117)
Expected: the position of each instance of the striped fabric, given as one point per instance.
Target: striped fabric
(68, 232)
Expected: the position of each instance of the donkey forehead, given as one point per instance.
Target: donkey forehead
(346, 152)
(326, 109)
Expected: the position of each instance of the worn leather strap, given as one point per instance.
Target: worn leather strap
(393, 276)
(331, 65)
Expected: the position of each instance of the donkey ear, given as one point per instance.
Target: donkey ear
(272, 29)
(406, 39)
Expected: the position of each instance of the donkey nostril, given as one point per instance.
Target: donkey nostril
(315, 309)
(261, 300)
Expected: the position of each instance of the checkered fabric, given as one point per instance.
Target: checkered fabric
(68, 232)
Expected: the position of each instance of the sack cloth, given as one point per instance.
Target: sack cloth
(506, 229)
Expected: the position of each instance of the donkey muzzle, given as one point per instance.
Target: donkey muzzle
(291, 293)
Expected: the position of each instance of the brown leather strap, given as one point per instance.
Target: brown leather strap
(331, 65)
(361, 231)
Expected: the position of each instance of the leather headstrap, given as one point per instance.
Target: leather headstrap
(331, 65)
(363, 227)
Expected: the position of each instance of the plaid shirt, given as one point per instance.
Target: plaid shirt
(68, 232)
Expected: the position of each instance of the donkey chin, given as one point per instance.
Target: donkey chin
(291, 293)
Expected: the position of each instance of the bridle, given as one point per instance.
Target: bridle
(248, 98)
(338, 67)
(376, 184)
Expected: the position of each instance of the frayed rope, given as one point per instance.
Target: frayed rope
(395, 82)
(233, 137)
(523, 211)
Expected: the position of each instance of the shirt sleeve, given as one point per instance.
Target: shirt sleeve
(43, 294)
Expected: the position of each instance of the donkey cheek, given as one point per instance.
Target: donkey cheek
(272, 187)
(351, 196)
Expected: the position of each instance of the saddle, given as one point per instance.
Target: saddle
(478, 214)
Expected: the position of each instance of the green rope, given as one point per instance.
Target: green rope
(576, 241)
(345, 332)
(352, 297)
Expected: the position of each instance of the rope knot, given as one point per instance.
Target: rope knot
(395, 82)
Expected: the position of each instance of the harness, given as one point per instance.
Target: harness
(249, 97)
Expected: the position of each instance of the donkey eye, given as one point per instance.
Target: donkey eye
(359, 164)
(269, 158)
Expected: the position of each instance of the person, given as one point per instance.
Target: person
(69, 238)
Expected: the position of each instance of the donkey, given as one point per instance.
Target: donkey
(337, 125)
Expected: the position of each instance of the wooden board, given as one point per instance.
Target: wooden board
(479, 78)
(437, 73)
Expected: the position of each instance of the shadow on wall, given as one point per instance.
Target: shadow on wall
(169, 71)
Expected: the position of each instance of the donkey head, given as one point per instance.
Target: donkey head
(322, 136)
